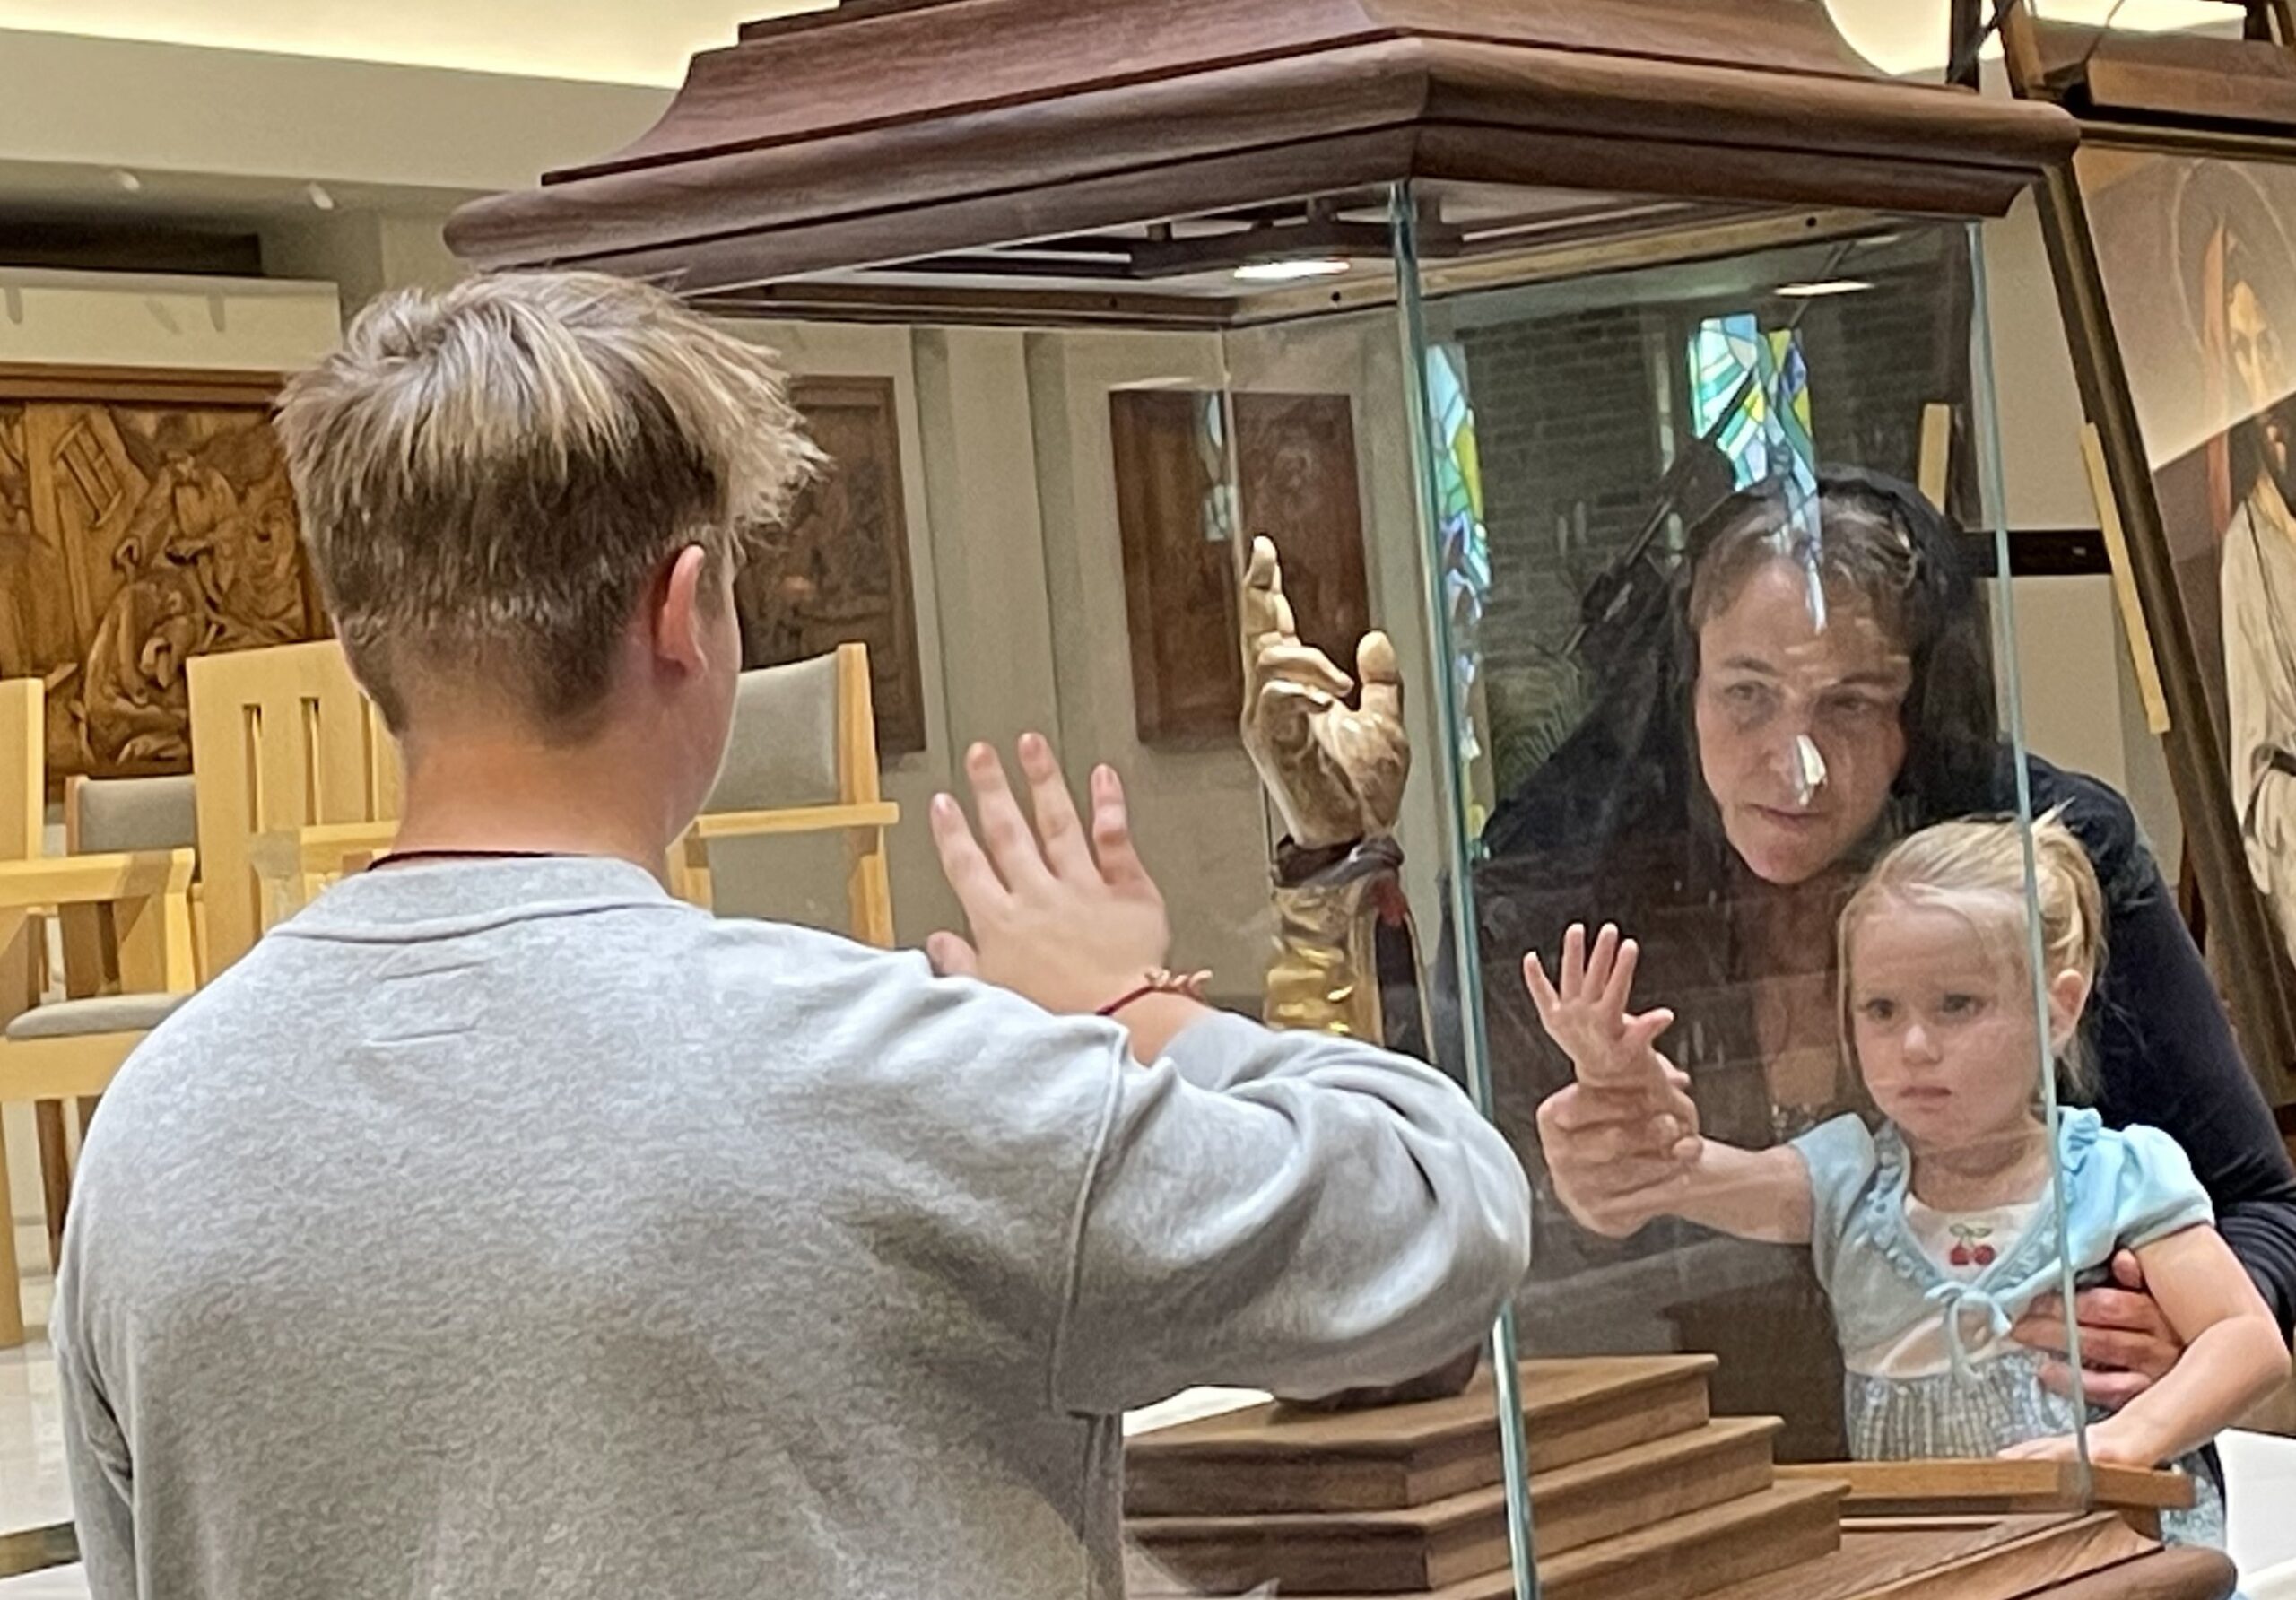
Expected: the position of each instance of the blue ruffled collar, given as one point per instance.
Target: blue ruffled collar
(2000, 1291)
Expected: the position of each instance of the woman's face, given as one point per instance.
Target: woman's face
(1799, 732)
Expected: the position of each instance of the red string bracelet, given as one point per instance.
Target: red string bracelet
(1160, 982)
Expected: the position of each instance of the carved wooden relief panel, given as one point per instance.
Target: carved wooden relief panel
(142, 521)
(1182, 524)
(839, 573)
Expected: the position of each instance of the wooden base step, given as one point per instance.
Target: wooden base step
(1415, 1549)
(1276, 1459)
(1997, 1488)
(1949, 1559)
(1681, 1560)
(1782, 1527)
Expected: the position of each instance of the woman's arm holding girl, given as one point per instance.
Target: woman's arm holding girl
(2233, 1357)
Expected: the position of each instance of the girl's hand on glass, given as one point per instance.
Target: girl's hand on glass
(2126, 1344)
(1584, 1010)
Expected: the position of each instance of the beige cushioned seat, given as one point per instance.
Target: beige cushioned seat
(84, 1019)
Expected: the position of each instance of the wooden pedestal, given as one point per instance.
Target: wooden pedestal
(1271, 1459)
(1637, 1493)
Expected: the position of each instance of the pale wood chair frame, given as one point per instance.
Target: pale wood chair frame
(147, 895)
(862, 814)
(284, 743)
(295, 860)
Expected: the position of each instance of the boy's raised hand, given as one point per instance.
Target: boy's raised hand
(1061, 913)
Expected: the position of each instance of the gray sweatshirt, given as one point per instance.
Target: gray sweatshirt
(512, 1229)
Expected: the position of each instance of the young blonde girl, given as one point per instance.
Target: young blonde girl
(1934, 1230)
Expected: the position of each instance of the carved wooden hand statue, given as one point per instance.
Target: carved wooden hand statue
(1335, 773)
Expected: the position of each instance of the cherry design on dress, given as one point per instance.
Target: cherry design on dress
(1969, 1246)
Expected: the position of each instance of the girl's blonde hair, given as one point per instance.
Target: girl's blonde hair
(1977, 868)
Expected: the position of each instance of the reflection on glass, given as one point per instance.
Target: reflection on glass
(1777, 978)
(1799, 679)
(1634, 560)
(1751, 395)
(1463, 554)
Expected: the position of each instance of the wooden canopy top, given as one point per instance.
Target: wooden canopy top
(2158, 79)
(891, 130)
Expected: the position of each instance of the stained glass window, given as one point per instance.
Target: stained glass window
(1755, 386)
(1464, 540)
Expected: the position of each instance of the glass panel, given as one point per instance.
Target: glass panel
(1083, 503)
(1724, 681)
(1643, 500)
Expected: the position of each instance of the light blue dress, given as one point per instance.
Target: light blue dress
(2123, 1188)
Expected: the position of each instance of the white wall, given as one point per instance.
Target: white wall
(2072, 658)
(191, 121)
(121, 320)
(604, 41)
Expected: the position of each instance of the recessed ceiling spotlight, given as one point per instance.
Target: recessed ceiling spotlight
(1289, 272)
(1820, 290)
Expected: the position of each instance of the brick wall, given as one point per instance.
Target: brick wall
(1568, 418)
(1567, 421)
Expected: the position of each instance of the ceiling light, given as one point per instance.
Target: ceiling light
(318, 196)
(128, 181)
(1289, 272)
(1820, 290)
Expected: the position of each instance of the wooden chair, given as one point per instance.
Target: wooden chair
(284, 746)
(129, 952)
(103, 816)
(802, 758)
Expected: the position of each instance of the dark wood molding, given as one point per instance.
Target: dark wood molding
(130, 385)
(2163, 77)
(873, 135)
(871, 66)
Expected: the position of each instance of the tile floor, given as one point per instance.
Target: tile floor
(33, 1490)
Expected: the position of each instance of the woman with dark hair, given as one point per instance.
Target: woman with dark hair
(1822, 686)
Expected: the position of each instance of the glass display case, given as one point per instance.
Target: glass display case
(1498, 485)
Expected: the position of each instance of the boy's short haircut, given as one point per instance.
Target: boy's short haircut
(488, 476)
